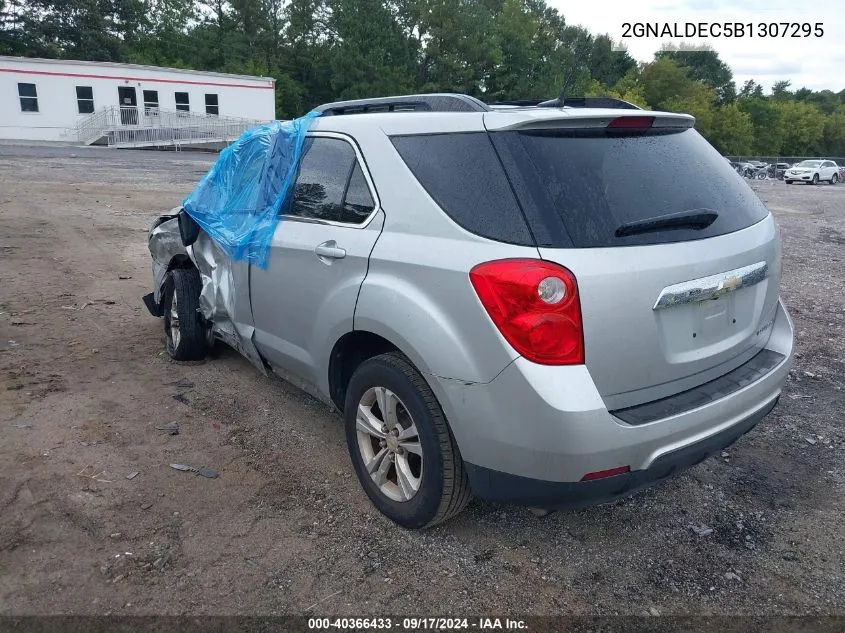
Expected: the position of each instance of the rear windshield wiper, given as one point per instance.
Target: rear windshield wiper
(696, 219)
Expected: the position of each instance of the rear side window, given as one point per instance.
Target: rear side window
(463, 175)
(591, 184)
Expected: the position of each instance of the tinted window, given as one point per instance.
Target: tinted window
(182, 101)
(358, 203)
(211, 106)
(29, 97)
(592, 184)
(465, 178)
(330, 184)
(85, 99)
(150, 102)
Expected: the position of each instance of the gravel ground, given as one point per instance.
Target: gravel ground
(286, 528)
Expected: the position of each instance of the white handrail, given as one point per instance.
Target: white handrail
(127, 126)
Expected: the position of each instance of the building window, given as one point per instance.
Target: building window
(151, 102)
(85, 99)
(182, 102)
(211, 106)
(29, 97)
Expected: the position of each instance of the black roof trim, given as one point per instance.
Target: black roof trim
(438, 102)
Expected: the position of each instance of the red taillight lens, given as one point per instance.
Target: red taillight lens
(603, 474)
(631, 123)
(536, 307)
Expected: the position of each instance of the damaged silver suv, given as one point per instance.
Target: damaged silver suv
(539, 304)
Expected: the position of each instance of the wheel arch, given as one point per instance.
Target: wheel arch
(179, 260)
(352, 349)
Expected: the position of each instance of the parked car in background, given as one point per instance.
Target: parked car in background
(542, 305)
(841, 173)
(813, 172)
(758, 170)
(778, 170)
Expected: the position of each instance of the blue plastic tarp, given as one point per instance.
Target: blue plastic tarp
(238, 201)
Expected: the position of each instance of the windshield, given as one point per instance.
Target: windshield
(809, 163)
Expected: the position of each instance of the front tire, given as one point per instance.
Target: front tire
(788, 182)
(815, 179)
(185, 329)
(401, 447)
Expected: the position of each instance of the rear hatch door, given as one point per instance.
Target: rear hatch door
(677, 259)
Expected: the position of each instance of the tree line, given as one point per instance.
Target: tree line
(497, 50)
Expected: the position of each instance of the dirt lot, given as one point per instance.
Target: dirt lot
(286, 528)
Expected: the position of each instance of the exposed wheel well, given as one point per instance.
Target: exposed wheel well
(180, 261)
(351, 350)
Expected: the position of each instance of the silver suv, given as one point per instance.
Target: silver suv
(543, 305)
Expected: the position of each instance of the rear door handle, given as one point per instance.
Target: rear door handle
(330, 250)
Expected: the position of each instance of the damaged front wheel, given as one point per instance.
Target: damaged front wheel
(184, 327)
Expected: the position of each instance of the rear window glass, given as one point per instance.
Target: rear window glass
(463, 175)
(592, 184)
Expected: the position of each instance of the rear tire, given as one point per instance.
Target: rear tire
(834, 179)
(436, 487)
(788, 182)
(185, 328)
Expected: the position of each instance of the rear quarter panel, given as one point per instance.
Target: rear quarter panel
(417, 293)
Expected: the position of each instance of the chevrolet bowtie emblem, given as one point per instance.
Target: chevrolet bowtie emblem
(712, 287)
(732, 283)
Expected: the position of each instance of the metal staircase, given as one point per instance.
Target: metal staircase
(117, 126)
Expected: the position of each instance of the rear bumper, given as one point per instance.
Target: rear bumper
(499, 486)
(543, 428)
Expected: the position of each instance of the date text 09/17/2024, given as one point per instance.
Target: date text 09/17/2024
(715, 30)
(417, 624)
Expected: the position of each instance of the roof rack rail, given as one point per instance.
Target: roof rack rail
(438, 102)
(589, 102)
(524, 103)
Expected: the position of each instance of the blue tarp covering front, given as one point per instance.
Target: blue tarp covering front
(237, 202)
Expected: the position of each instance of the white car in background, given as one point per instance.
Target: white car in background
(812, 171)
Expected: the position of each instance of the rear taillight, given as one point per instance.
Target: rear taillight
(536, 307)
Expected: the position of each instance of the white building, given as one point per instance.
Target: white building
(43, 99)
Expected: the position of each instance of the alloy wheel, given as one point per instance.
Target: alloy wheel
(389, 444)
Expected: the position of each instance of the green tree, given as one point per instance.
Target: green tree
(750, 89)
(834, 133)
(97, 30)
(732, 131)
(462, 47)
(803, 130)
(780, 90)
(371, 56)
(768, 125)
(704, 65)
(606, 65)
(696, 100)
(531, 56)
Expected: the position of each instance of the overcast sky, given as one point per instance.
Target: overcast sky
(816, 63)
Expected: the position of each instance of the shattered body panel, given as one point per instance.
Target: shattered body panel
(230, 319)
